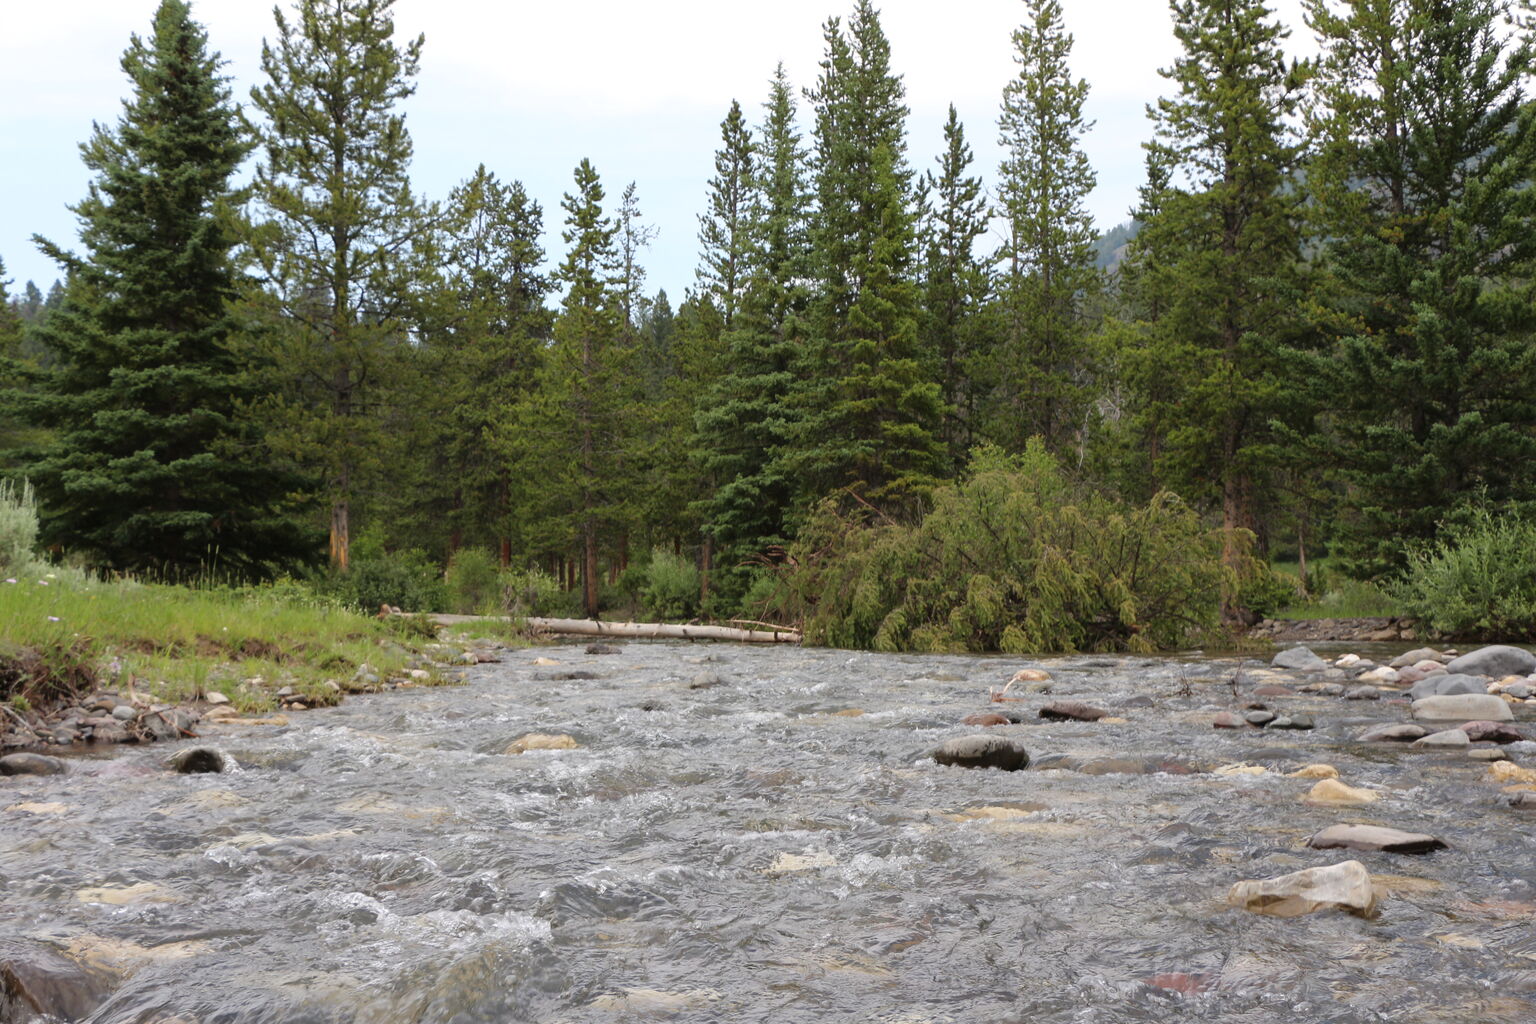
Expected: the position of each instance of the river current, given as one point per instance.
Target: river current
(757, 834)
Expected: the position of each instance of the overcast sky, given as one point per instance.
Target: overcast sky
(531, 88)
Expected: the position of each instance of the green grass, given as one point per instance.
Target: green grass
(1341, 599)
(171, 643)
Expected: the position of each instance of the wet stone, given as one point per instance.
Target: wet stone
(1492, 732)
(1487, 754)
(1445, 738)
(1259, 718)
(1448, 684)
(1497, 661)
(31, 764)
(37, 982)
(603, 649)
(1345, 886)
(1273, 690)
(1415, 656)
(1072, 710)
(199, 761)
(1520, 801)
(1462, 707)
(1373, 838)
(1291, 722)
(1227, 720)
(982, 752)
(1326, 689)
(705, 681)
(1401, 733)
(989, 719)
(1299, 659)
(1363, 693)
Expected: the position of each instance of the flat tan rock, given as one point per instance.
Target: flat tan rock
(1345, 886)
(542, 741)
(1314, 771)
(1240, 769)
(32, 807)
(1030, 675)
(1508, 771)
(1332, 792)
(787, 863)
(124, 895)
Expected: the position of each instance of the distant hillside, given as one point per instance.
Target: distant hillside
(1111, 245)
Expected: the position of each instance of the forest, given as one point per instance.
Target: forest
(1306, 361)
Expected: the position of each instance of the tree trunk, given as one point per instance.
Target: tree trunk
(655, 630)
(341, 544)
(706, 557)
(589, 568)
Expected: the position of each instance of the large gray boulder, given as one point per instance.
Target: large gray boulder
(31, 764)
(1299, 659)
(1446, 684)
(1496, 661)
(1462, 707)
(982, 752)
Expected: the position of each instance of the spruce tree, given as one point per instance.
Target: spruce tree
(956, 284)
(744, 417)
(1423, 195)
(575, 436)
(725, 227)
(870, 407)
(338, 231)
(152, 468)
(1227, 237)
(1041, 373)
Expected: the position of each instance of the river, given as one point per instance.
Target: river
(756, 834)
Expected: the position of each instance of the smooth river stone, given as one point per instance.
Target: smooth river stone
(1445, 738)
(1345, 886)
(1375, 838)
(1299, 659)
(31, 764)
(1465, 707)
(1335, 793)
(988, 719)
(542, 741)
(1492, 732)
(1447, 684)
(1073, 710)
(982, 752)
(1415, 656)
(1401, 733)
(1496, 661)
(1227, 720)
(198, 761)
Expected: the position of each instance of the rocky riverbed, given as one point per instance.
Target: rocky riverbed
(766, 834)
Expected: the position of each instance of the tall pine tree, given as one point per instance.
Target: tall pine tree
(1423, 195)
(1227, 237)
(1040, 372)
(338, 232)
(869, 402)
(153, 469)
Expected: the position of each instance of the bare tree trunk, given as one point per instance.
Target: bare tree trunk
(589, 568)
(652, 630)
(706, 557)
(341, 545)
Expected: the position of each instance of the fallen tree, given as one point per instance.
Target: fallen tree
(662, 630)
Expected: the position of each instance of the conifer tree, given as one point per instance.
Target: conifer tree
(152, 468)
(1227, 237)
(869, 406)
(724, 229)
(956, 283)
(339, 229)
(1041, 372)
(744, 418)
(1423, 196)
(574, 435)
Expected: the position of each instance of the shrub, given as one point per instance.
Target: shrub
(407, 580)
(535, 592)
(473, 582)
(1477, 581)
(18, 527)
(671, 590)
(1012, 558)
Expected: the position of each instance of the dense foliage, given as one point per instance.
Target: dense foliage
(1014, 557)
(1476, 582)
(1313, 340)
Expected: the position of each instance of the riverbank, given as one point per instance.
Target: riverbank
(87, 662)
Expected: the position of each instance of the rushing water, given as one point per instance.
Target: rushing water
(743, 852)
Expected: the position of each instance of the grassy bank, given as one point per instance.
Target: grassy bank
(62, 636)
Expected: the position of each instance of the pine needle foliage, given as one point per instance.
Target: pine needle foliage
(1014, 557)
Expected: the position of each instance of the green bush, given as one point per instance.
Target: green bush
(1013, 558)
(1266, 591)
(671, 591)
(527, 592)
(18, 528)
(473, 582)
(1477, 582)
(407, 580)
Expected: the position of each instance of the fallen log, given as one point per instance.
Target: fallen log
(662, 630)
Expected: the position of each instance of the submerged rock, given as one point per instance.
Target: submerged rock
(1373, 838)
(1465, 707)
(542, 741)
(603, 649)
(1345, 886)
(1072, 710)
(1314, 771)
(1415, 656)
(31, 764)
(1332, 792)
(1299, 659)
(991, 718)
(37, 982)
(1400, 733)
(982, 752)
(1227, 720)
(199, 761)
(1291, 722)
(1496, 661)
(1362, 693)
(1446, 738)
